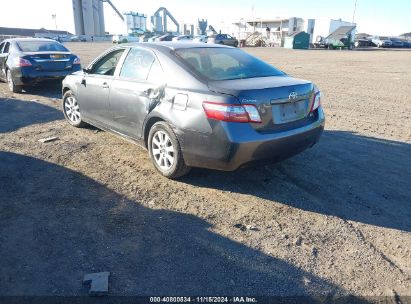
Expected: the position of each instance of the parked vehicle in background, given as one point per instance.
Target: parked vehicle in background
(74, 39)
(407, 43)
(320, 43)
(27, 61)
(361, 42)
(183, 38)
(125, 39)
(200, 38)
(152, 39)
(396, 42)
(195, 105)
(167, 37)
(223, 39)
(381, 42)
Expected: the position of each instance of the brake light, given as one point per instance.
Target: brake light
(21, 62)
(316, 101)
(77, 60)
(231, 113)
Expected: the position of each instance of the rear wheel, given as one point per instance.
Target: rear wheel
(165, 151)
(12, 87)
(236, 44)
(71, 110)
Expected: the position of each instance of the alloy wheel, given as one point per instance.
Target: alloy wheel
(72, 109)
(163, 150)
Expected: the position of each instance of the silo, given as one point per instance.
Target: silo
(101, 15)
(136, 20)
(88, 18)
(78, 17)
(96, 18)
(310, 28)
(129, 22)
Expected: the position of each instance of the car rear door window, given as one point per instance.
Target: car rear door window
(6, 48)
(107, 65)
(137, 64)
(156, 74)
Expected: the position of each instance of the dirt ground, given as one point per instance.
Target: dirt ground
(334, 220)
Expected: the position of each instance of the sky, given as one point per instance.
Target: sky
(379, 17)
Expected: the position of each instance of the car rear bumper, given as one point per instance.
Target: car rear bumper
(30, 76)
(229, 149)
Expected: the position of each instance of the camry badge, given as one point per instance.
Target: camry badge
(293, 96)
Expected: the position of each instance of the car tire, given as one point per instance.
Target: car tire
(236, 44)
(71, 110)
(165, 151)
(12, 87)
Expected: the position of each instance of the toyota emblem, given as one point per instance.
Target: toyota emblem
(293, 96)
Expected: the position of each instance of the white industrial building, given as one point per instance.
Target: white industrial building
(272, 31)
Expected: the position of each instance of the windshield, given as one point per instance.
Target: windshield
(41, 46)
(225, 63)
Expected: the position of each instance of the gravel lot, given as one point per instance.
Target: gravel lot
(334, 220)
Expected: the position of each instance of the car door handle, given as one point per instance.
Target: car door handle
(105, 85)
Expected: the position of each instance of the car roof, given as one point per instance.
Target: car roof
(29, 39)
(175, 45)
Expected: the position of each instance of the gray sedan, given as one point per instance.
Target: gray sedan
(195, 105)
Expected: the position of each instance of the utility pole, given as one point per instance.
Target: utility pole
(54, 17)
(355, 10)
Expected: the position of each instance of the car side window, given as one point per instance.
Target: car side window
(1, 47)
(137, 64)
(156, 74)
(107, 65)
(6, 48)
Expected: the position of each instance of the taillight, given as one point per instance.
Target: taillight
(76, 61)
(316, 101)
(231, 113)
(21, 62)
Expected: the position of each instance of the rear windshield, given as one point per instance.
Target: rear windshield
(225, 63)
(41, 46)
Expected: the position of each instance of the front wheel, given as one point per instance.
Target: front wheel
(71, 110)
(12, 87)
(165, 151)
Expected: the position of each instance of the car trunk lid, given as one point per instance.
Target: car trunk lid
(283, 102)
(50, 61)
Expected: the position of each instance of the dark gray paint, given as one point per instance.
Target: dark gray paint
(129, 108)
